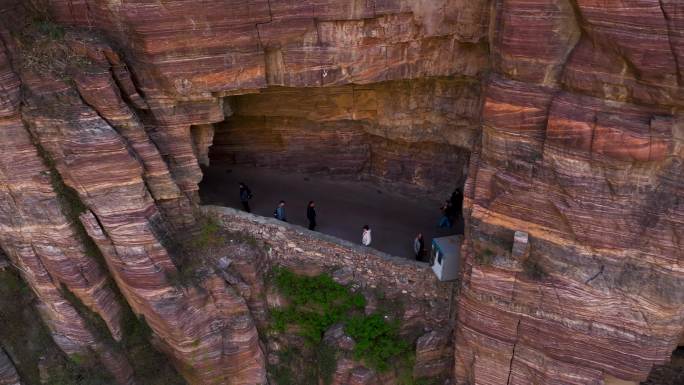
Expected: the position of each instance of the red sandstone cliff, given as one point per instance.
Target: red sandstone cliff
(582, 149)
(571, 108)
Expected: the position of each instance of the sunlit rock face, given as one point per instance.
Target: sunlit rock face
(572, 110)
(224, 45)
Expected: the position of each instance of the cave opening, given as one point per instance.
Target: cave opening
(385, 155)
(669, 373)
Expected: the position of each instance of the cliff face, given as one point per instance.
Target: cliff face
(571, 110)
(582, 149)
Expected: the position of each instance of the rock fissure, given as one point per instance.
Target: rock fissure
(596, 275)
(515, 344)
(675, 57)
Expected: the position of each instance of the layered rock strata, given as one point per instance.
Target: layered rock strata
(100, 148)
(235, 47)
(229, 45)
(207, 332)
(415, 133)
(434, 355)
(581, 149)
(580, 146)
(45, 246)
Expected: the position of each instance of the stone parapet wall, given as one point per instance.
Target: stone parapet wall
(292, 245)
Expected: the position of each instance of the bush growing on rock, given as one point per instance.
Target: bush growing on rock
(319, 302)
(377, 340)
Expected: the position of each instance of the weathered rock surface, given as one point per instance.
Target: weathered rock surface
(184, 56)
(45, 245)
(581, 149)
(236, 44)
(103, 152)
(213, 324)
(411, 134)
(434, 355)
(579, 143)
(8, 373)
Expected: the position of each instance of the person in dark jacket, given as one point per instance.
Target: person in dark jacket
(311, 215)
(457, 203)
(419, 246)
(279, 212)
(245, 196)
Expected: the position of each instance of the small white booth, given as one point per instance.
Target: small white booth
(445, 257)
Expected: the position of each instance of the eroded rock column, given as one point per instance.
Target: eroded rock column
(209, 333)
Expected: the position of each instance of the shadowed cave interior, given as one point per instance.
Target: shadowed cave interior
(347, 148)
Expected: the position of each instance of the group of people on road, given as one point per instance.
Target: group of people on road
(280, 213)
(452, 211)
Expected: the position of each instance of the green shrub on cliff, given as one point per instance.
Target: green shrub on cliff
(22, 334)
(45, 50)
(49, 29)
(150, 366)
(319, 302)
(377, 340)
(208, 235)
(299, 366)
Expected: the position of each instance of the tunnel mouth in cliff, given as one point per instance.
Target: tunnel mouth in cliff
(369, 146)
(411, 137)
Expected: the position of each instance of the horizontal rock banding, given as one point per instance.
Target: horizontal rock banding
(586, 178)
(581, 147)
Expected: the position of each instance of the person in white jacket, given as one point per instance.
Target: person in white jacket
(366, 236)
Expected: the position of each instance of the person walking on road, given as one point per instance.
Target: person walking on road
(245, 196)
(366, 236)
(279, 212)
(419, 246)
(311, 215)
(446, 210)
